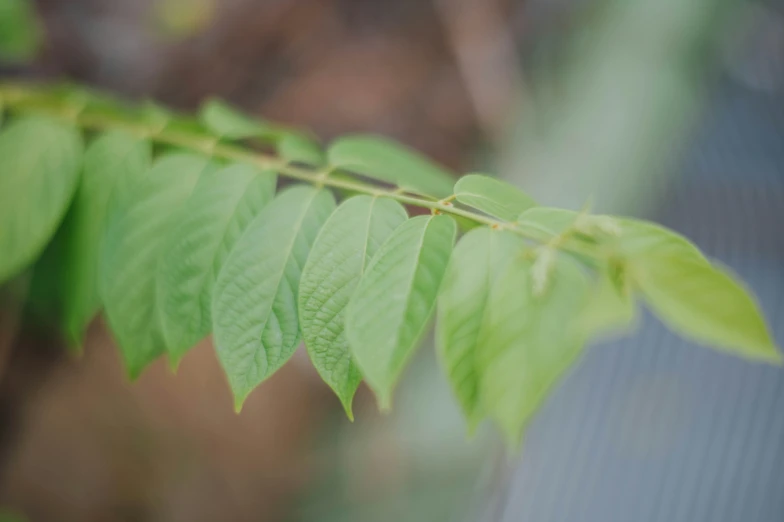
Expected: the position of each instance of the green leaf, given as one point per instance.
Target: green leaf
(706, 304)
(38, 177)
(160, 118)
(639, 239)
(342, 250)
(694, 298)
(395, 299)
(298, 148)
(220, 208)
(76, 98)
(610, 308)
(113, 164)
(226, 122)
(555, 221)
(551, 221)
(391, 162)
(19, 31)
(255, 324)
(492, 196)
(155, 115)
(136, 238)
(528, 341)
(465, 224)
(462, 304)
(44, 281)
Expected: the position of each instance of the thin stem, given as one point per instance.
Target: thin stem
(18, 98)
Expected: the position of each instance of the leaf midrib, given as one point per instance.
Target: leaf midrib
(281, 275)
(410, 292)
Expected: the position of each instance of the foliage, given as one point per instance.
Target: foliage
(19, 31)
(171, 225)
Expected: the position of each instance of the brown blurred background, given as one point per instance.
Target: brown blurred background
(77, 441)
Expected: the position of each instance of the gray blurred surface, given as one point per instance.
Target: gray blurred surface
(653, 428)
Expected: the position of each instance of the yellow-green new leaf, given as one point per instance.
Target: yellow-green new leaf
(391, 162)
(395, 299)
(38, 177)
(254, 307)
(548, 220)
(610, 309)
(492, 196)
(342, 251)
(694, 298)
(704, 303)
(221, 206)
(478, 259)
(136, 238)
(640, 239)
(113, 164)
(527, 342)
(554, 221)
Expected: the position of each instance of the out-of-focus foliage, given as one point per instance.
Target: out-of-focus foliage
(10, 516)
(19, 31)
(607, 108)
(182, 18)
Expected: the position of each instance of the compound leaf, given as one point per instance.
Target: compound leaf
(221, 206)
(528, 341)
(395, 298)
(113, 164)
(492, 196)
(136, 238)
(390, 162)
(462, 303)
(342, 250)
(255, 323)
(704, 303)
(39, 174)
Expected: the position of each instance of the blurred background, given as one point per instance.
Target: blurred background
(667, 109)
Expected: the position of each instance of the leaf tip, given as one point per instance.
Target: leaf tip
(133, 372)
(384, 401)
(239, 394)
(773, 356)
(75, 348)
(347, 408)
(472, 425)
(513, 439)
(174, 363)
